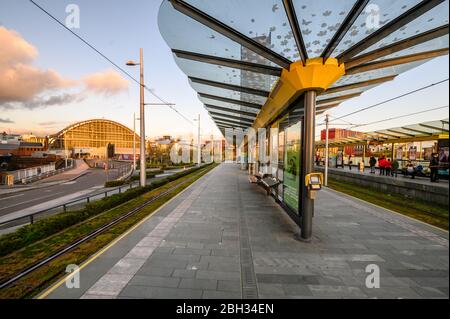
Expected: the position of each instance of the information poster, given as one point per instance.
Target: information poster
(292, 167)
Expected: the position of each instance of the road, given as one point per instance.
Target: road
(92, 180)
(22, 203)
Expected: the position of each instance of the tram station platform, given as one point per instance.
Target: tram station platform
(224, 238)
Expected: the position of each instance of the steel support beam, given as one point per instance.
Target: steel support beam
(230, 122)
(394, 25)
(338, 99)
(230, 87)
(225, 109)
(398, 46)
(345, 26)
(397, 61)
(417, 131)
(230, 63)
(401, 133)
(387, 134)
(347, 87)
(296, 31)
(230, 33)
(434, 127)
(231, 101)
(231, 117)
(307, 204)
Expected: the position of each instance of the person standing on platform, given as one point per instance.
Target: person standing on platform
(350, 162)
(372, 163)
(434, 166)
(382, 165)
(388, 167)
(395, 167)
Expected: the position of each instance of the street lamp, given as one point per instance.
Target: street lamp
(143, 176)
(199, 154)
(134, 140)
(327, 150)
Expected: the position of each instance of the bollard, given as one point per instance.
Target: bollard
(31, 219)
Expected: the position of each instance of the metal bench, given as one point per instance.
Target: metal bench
(269, 183)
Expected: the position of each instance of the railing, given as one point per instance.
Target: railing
(79, 202)
(40, 172)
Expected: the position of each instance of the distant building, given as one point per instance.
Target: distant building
(90, 139)
(15, 145)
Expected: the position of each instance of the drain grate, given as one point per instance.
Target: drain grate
(249, 287)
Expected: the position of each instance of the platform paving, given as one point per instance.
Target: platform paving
(224, 238)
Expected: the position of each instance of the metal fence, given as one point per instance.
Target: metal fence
(78, 203)
(33, 174)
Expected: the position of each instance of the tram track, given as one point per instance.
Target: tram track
(30, 269)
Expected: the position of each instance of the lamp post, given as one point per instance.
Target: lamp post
(199, 154)
(143, 177)
(134, 140)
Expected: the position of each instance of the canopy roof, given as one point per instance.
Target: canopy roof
(418, 132)
(233, 51)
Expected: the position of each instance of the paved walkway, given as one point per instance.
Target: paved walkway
(223, 238)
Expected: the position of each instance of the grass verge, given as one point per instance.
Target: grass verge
(432, 214)
(37, 281)
(48, 226)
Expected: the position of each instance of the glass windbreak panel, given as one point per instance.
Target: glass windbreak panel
(235, 95)
(292, 128)
(435, 44)
(376, 74)
(227, 75)
(208, 101)
(319, 20)
(376, 14)
(183, 33)
(262, 20)
(436, 17)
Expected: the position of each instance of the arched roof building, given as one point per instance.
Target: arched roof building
(92, 137)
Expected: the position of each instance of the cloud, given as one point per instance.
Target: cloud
(6, 121)
(24, 86)
(39, 102)
(108, 82)
(20, 81)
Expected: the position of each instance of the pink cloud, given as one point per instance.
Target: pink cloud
(108, 82)
(20, 81)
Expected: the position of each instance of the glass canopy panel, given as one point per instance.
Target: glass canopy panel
(376, 74)
(183, 33)
(326, 96)
(390, 133)
(319, 20)
(235, 95)
(208, 101)
(436, 17)
(227, 75)
(376, 14)
(435, 44)
(227, 114)
(262, 20)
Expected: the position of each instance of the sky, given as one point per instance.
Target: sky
(62, 81)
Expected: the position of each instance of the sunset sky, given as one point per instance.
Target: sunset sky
(58, 80)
